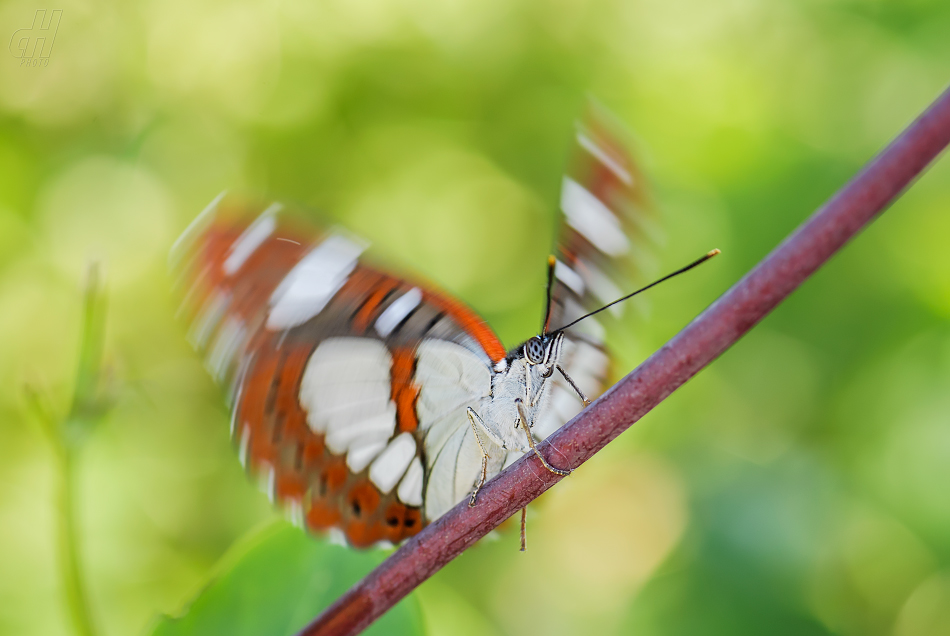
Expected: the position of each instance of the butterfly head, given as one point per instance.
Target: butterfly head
(540, 356)
(543, 352)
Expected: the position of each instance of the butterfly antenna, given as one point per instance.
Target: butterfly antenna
(681, 270)
(547, 305)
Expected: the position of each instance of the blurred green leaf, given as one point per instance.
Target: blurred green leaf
(275, 582)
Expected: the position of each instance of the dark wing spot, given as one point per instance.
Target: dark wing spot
(298, 457)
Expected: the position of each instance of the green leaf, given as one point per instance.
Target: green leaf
(275, 582)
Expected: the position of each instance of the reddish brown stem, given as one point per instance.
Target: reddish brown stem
(707, 336)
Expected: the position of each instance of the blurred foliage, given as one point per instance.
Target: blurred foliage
(796, 486)
(275, 582)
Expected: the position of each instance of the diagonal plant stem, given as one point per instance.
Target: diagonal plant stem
(698, 344)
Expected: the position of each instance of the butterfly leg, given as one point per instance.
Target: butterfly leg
(481, 482)
(527, 430)
(576, 388)
(524, 528)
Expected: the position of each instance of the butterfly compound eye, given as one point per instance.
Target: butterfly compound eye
(534, 350)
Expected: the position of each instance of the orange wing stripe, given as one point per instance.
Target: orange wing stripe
(292, 420)
(471, 323)
(405, 392)
(365, 280)
(253, 409)
(365, 315)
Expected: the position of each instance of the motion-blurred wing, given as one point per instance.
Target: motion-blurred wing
(607, 226)
(339, 397)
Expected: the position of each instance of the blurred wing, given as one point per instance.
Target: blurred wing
(606, 227)
(336, 372)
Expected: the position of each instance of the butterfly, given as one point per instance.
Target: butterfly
(369, 403)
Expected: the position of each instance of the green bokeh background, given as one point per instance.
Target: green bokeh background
(800, 485)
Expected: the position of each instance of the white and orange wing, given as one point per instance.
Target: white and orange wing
(348, 386)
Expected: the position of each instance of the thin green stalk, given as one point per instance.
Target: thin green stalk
(77, 599)
(67, 435)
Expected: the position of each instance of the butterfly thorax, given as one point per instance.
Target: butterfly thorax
(523, 379)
